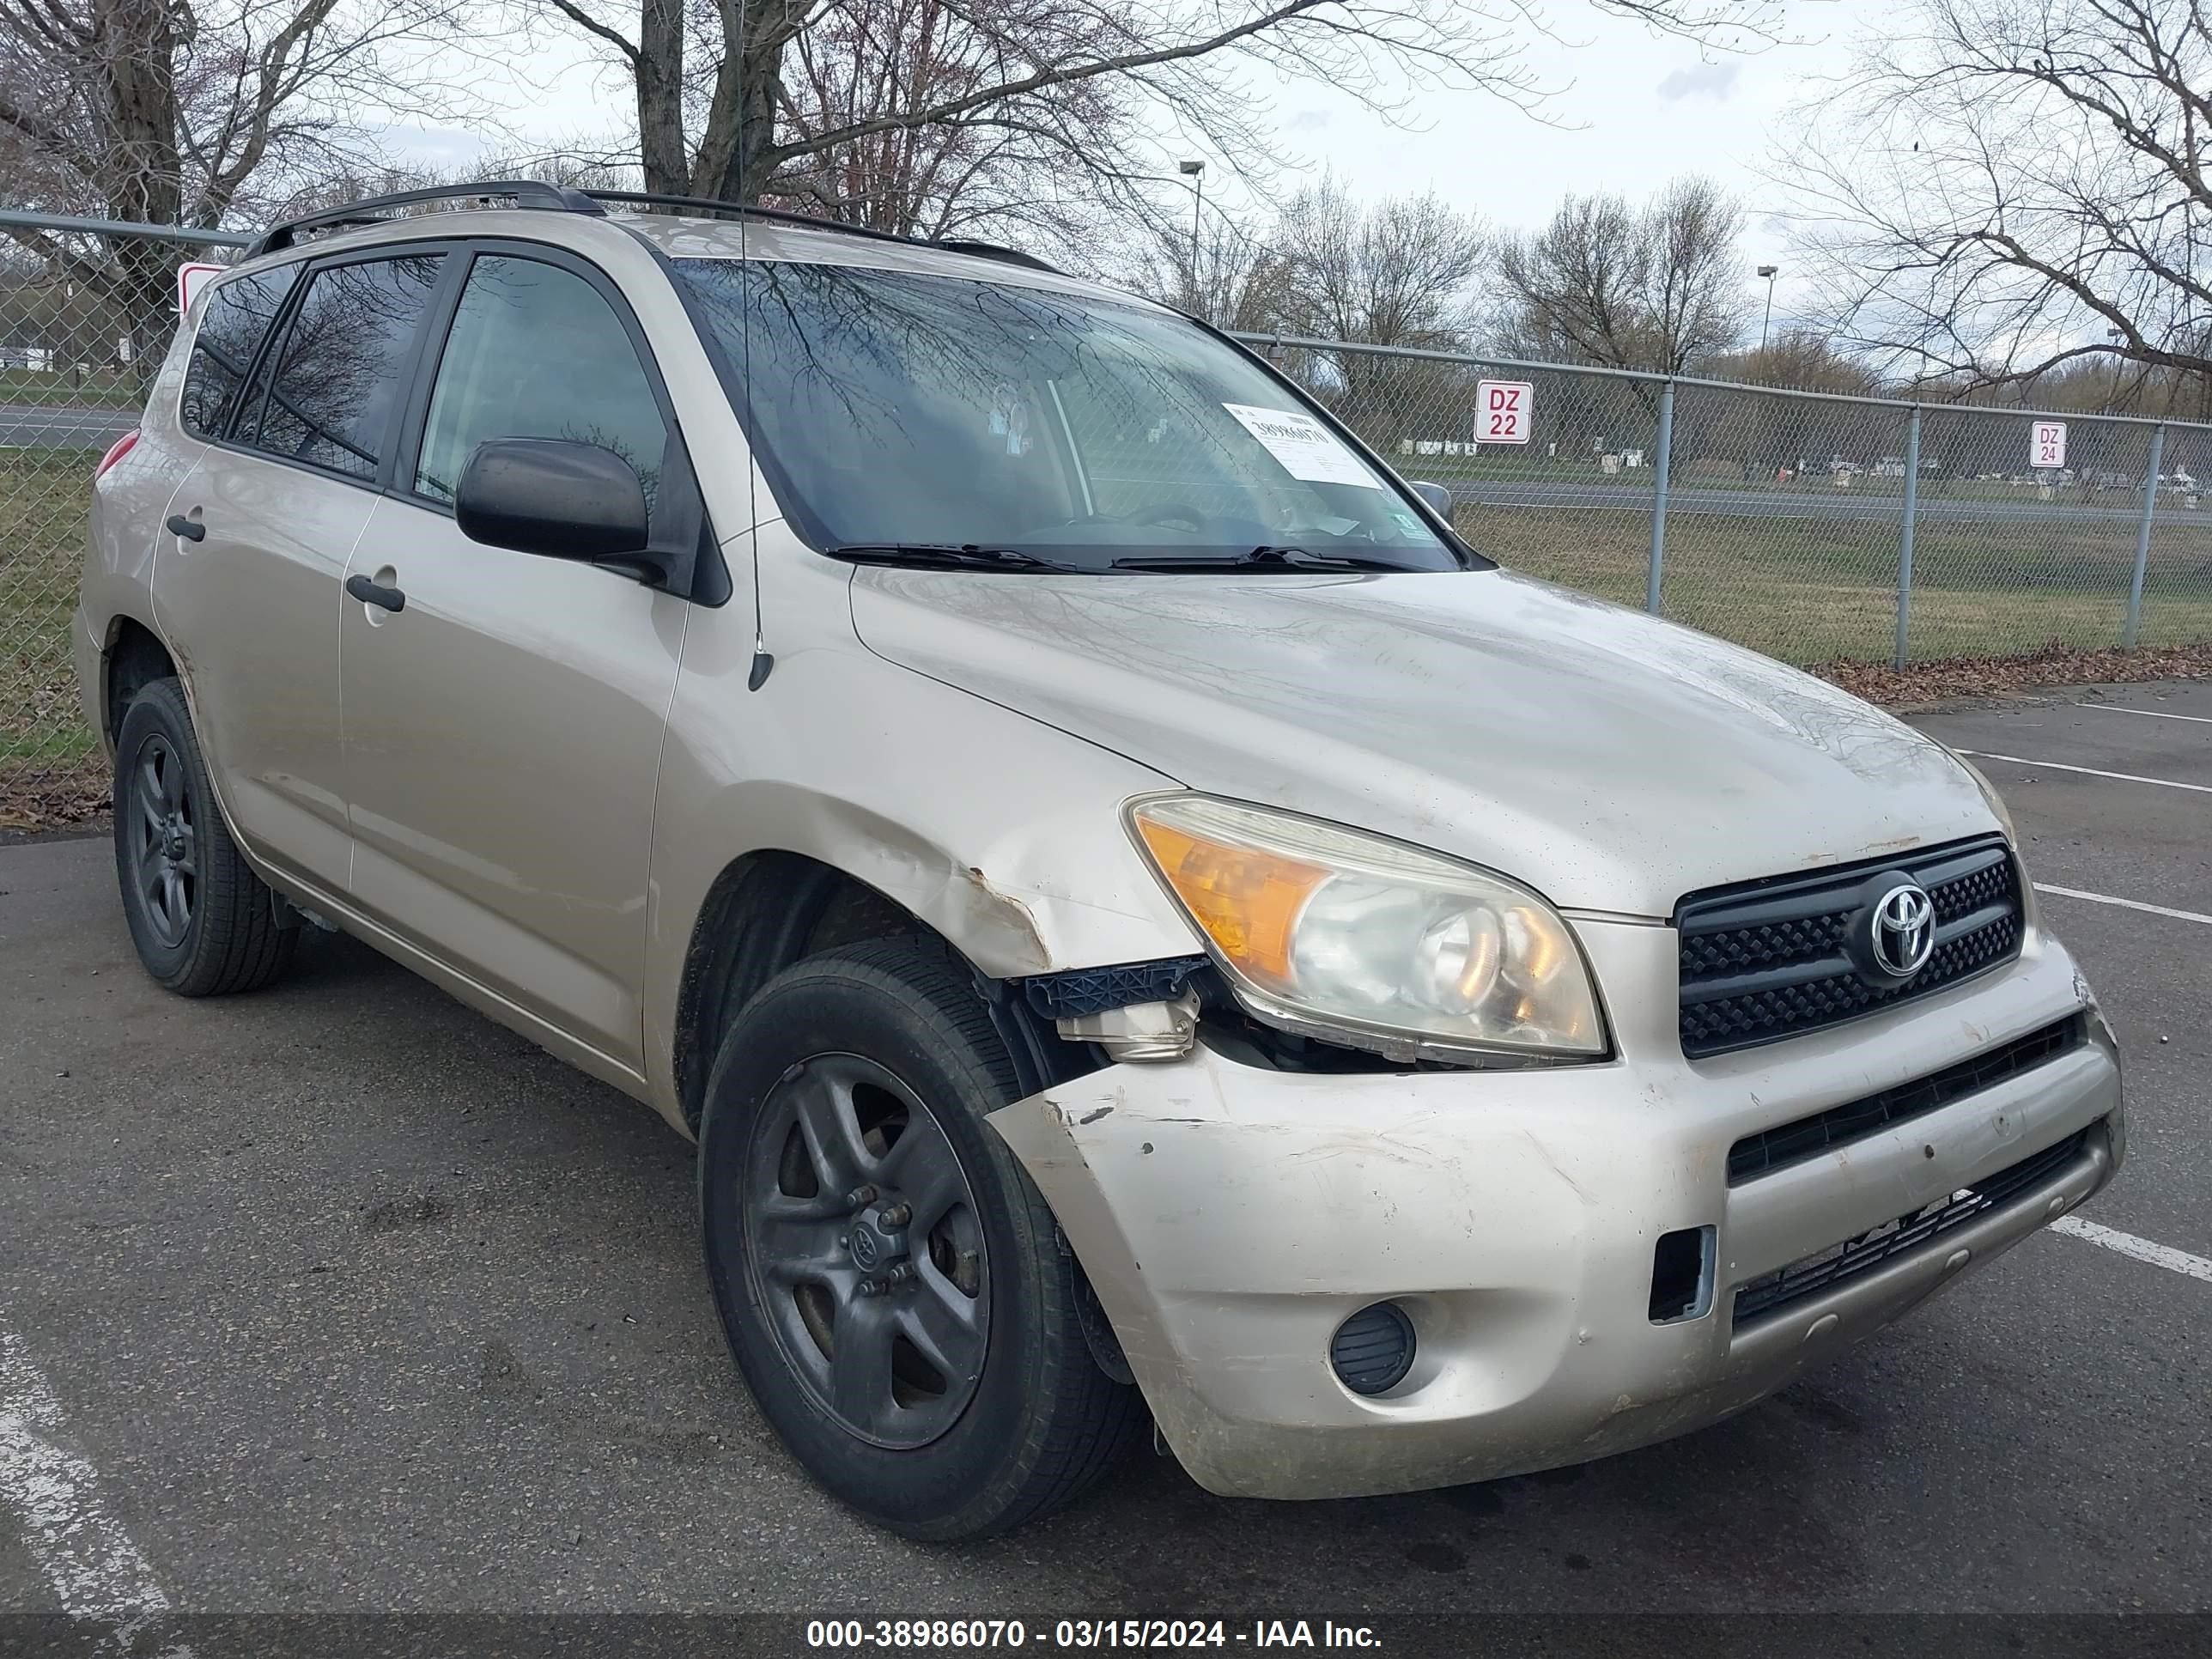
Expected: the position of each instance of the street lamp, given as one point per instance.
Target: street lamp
(1196, 172)
(1767, 271)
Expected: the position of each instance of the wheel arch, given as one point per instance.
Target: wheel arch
(766, 909)
(772, 908)
(133, 657)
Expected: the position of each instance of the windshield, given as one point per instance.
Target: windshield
(904, 414)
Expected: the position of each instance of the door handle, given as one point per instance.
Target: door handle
(370, 592)
(191, 529)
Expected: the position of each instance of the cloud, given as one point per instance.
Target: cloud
(1307, 120)
(1713, 81)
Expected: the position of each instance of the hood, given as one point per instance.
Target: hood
(1610, 760)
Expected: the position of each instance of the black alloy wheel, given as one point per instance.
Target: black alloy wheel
(862, 1235)
(892, 1284)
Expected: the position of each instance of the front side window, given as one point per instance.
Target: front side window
(536, 352)
(331, 399)
(902, 411)
(239, 312)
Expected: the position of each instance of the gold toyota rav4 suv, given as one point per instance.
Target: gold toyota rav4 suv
(1140, 918)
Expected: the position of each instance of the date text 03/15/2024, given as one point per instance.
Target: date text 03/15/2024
(938, 1633)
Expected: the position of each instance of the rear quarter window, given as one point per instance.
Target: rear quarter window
(336, 382)
(239, 312)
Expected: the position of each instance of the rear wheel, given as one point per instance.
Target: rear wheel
(204, 924)
(892, 1283)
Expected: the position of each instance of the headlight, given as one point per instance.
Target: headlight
(1378, 945)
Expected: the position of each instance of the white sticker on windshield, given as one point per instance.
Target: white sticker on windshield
(1306, 448)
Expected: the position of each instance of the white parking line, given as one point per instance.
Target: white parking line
(2155, 714)
(2141, 1249)
(93, 1569)
(2126, 904)
(2091, 771)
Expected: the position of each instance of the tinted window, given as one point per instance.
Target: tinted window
(900, 408)
(331, 398)
(238, 314)
(536, 352)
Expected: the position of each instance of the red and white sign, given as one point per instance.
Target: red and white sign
(191, 277)
(1502, 409)
(2046, 445)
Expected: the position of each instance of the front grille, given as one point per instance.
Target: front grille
(1770, 1293)
(1792, 1143)
(1764, 960)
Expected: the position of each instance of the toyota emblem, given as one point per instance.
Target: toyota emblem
(1902, 931)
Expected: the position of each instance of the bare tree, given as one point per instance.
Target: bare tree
(174, 112)
(1652, 288)
(781, 97)
(1398, 272)
(1221, 273)
(1045, 166)
(2001, 188)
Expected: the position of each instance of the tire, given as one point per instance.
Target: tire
(994, 1412)
(204, 924)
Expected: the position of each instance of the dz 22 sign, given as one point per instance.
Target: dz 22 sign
(1502, 409)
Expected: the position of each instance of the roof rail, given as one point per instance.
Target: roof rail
(524, 192)
(784, 216)
(1012, 256)
(532, 193)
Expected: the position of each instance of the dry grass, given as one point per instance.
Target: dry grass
(51, 767)
(1811, 591)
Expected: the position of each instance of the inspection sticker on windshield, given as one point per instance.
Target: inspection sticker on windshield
(1306, 448)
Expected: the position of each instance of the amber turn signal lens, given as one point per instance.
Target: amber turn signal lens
(1246, 898)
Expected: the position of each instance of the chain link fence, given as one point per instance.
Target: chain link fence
(86, 311)
(1815, 528)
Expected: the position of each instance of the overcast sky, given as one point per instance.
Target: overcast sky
(1635, 111)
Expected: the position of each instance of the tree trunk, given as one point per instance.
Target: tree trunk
(666, 166)
(144, 182)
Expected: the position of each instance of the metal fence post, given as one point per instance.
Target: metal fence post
(2142, 540)
(1905, 537)
(1659, 497)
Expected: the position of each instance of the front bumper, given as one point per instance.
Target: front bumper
(1231, 1217)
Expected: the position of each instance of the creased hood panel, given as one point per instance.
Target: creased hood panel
(1611, 761)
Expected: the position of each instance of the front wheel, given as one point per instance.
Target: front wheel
(892, 1283)
(204, 922)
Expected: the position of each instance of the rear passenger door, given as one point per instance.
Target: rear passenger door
(503, 726)
(301, 426)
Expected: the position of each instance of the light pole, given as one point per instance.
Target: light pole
(1196, 172)
(1767, 271)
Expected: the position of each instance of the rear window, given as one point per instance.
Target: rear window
(238, 314)
(330, 400)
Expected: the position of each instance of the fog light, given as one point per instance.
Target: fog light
(1373, 1350)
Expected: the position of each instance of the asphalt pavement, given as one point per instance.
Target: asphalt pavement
(57, 426)
(340, 1299)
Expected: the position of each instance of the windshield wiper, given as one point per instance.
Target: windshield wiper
(1286, 558)
(945, 556)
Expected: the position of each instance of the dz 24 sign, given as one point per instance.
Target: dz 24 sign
(2046, 444)
(1502, 409)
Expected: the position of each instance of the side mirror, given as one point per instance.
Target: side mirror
(1438, 498)
(553, 497)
